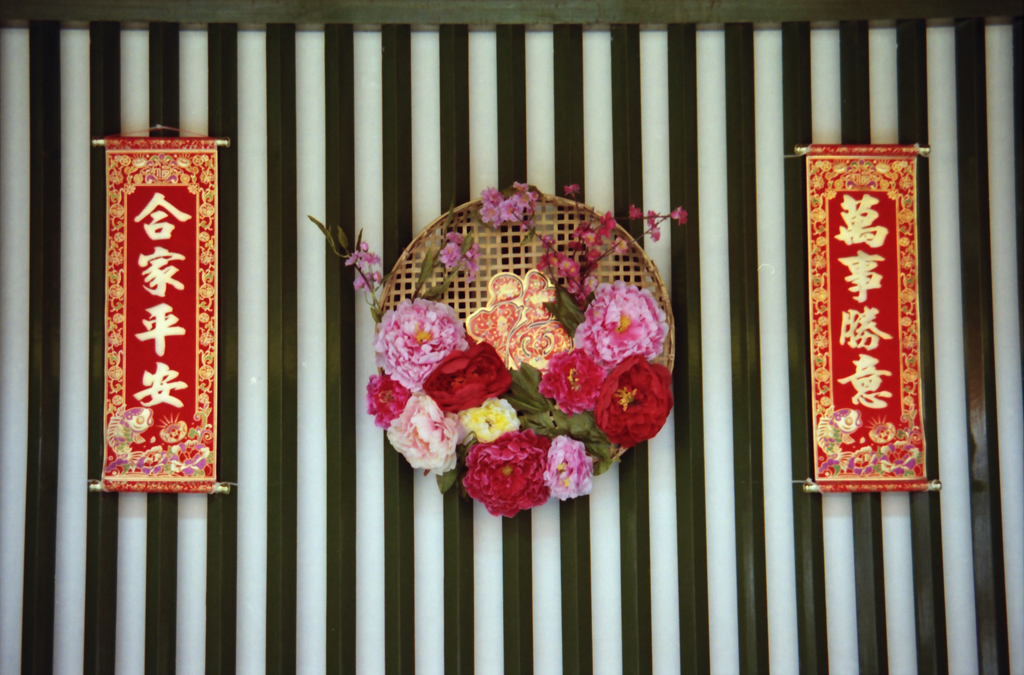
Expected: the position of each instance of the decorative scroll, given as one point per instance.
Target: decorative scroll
(516, 323)
(161, 315)
(862, 228)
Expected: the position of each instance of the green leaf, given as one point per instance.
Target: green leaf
(565, 310)
(466, 243)
(326, 234)
(436, 292)
(342, 238)
(602, 466)
(375, 313)
(447, 479)
(426, 268)
(359, 238)
(524, 395)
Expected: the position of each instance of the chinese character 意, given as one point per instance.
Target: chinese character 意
(161, 325)
(860, 331)
(861, 275)
(156, 228)
(160, 385)
(158, 275)
(866, 379)
(860, 218)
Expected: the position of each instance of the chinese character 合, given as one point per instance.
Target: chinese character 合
(159, 326)
(160, 385)
(866, 379)
(156, 228)
(860, 331)
(860, 218)
(158, 275)
(861, 275)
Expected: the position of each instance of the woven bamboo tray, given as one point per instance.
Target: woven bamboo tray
(501, 251)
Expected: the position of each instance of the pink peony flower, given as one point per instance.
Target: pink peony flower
(621, 321)
(569, 470)
(385, 399)
(507, 475)
(573, 380)
(414, 337)
(426, 436)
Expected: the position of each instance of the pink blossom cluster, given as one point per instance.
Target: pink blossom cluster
(414, 337)
(452, 257)
(365, 261)
(519, 207)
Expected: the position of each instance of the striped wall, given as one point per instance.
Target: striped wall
(701, 552)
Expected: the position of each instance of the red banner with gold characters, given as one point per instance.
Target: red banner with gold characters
(161, 315)
(862, 229)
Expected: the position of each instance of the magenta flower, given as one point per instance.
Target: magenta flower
(621, 321)
(635, 213)
(573, 380)
(414, 337)
(571, 190)
(385, 399)
(569, 469)
(679, 215)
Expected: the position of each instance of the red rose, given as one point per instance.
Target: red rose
(507, 475)
(465, 379)
(634, 401)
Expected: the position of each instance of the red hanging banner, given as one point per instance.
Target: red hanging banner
(161, 315)
(862, 229)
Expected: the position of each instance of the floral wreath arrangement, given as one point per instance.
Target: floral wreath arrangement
(548, 384)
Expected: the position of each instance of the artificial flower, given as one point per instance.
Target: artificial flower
(414, 337)
(621, 321)
(426, 435)
(572, 379)
(494, 418)
(634, 401)
(507, 475)
(385, 399)
(466, 378)
(190, 458)
(569, 469)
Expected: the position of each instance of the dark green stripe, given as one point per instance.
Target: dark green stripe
(748, 471)
(399, 545)
(869, 571)
(341, 400)
(516, 533)
(458, 512)
(490, 12)
(634, 481)
(162, 509)
(44, 350)
(101, 520)
(925, 515)
(1018, 136)
(979, 353)
(282, 348)
(687, 378)
(807, 524)
(222, 510)
(574, 514)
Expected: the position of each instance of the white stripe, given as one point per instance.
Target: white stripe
(772, 269)
(716, 339)
(310, 110)
(370, 441)
(896, 535)
(14, 291)
(999, 71)
(131, 527)
(190, 646)
(488, 602)
(662, 472)
(547, 550)
(605, 551)
(428, 503)
(252, 351)
(958, 566)
(69, 626)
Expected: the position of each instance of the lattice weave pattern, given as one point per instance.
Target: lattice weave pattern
(501, 251)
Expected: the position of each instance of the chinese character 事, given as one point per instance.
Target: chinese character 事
(862, 274)
(156, 228)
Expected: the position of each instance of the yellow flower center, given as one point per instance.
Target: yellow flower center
(624, 397)
(574, 380)
(507, 469)
(562, 467)
(623, 324)
(423, 336)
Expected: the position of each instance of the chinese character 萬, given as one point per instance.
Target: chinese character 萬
(158, 275)
(860, 218)
(161, 325)
(860, 331)
(862, 276)
(156, 228)
(866, 379)
(160, 385)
